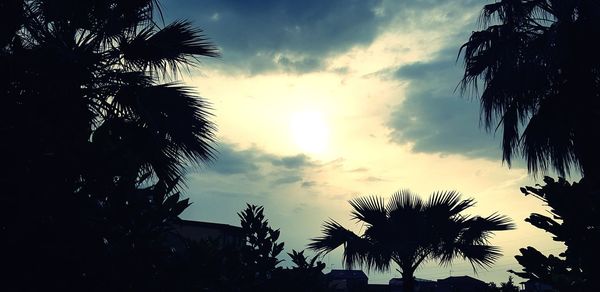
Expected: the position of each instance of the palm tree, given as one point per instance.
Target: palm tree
(96, 135)
(96, 75)
(539, 70)
(409, 231)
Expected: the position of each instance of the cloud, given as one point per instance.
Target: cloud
(287, 179)
(308, 184)
(372, 179)
(434, 118)
(284, 35)
(254, 169)
(299, 36)
(299, 209)
(233, 161)
(230, 161)
(293, 162)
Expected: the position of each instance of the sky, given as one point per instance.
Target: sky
(318, 102)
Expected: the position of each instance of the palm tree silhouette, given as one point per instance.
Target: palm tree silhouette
(409, 231)
(95, 137)
(97, 72)
(539, 69)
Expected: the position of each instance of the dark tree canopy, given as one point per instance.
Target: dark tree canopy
(538, 69)
(574, 219)
(95, 138)
(85, 78)
(260, 252)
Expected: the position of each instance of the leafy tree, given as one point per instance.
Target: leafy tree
(207, 266)
(301, 261)
(492, 287)
(305, 276)
(259, 255)
(409, 231)
(539, 70)
(126, 244)
(509, 286)
(95, 139)
(574, 220)
(211, 266)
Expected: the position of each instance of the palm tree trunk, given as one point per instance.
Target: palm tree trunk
(587, 108)
(587, 148)
(408, 281)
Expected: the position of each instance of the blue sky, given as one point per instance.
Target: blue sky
(318, 102)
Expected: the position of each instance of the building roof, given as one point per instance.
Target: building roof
(219, 226)
(394, 281)
(347, 274)
(461, 280)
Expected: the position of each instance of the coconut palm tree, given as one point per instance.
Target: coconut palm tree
(539, 72)
(409, 231)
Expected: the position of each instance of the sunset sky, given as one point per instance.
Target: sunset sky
(317, 102)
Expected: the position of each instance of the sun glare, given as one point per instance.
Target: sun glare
(309, 131)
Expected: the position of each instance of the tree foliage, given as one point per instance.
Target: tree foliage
(409, 231)
(305, 276)
(210, 266)
(574, 220)
(539, 72)
(259, 254)
(95, 140)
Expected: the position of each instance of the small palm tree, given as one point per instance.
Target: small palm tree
(409, 231)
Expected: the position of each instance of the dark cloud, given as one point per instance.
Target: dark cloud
(304, 64)
(226, 194)
(298, 36)
(230, 161)
(293, 162)
(287, 35)
(308, 184)
(256, 165)
(287, 179)
(434, 117)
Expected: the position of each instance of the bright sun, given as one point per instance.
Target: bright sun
(310, 131)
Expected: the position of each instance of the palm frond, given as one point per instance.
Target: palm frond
(128, 145)
(477, 230)
(548, 138)
(165, 50)
(174, 113)
(480, 256)
(334, 235)
(449, 201)
(357, 250)
(404, 200)
(370, 210)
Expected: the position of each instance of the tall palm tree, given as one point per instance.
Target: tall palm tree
(95, 137)
(95, 74)
(539, 70)
(409, 231)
